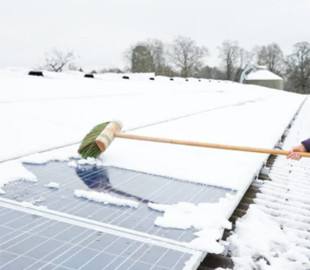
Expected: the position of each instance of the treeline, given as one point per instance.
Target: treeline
(184, 57)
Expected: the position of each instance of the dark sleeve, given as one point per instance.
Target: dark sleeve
(306, 143)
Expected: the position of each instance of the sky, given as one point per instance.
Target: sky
(100, 31)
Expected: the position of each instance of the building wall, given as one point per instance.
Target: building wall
(277, 84)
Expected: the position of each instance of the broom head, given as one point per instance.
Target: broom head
(98, 139)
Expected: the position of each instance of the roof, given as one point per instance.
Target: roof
(186, 194)
(275, 230)
(262, 74)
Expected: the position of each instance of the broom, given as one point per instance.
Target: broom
(100, 137)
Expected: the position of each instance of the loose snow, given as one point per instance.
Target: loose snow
(32, 205)
(207, 218)
(52, 185)
(260, 242)
(104, 198)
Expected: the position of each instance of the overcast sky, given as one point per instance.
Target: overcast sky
(99, 31)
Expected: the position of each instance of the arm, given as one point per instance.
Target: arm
(303, 147)
(306, 144)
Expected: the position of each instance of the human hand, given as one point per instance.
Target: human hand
(293, 154)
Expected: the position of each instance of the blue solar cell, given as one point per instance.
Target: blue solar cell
(96, 263)
(117, 182)
(33, 241)
(6, 257)
(46, 247)
(19, 263)
(34, 249)
(80, 258)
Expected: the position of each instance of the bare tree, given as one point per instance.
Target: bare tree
(110, 70)
(271, 56)
(157, 50)
(245, 60)
(187, 56)
(56, 60)
(148, 56)
(229, 55)
(234, 59)
(298, 68)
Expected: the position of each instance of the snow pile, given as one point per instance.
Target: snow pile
(26, 204)
(52, 185)
(89, 161)
(104, 198)
(259, 243)
(207, 218)
(12, 171)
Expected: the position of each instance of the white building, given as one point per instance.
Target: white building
(260, 75)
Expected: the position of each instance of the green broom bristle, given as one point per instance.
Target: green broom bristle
(88, 147)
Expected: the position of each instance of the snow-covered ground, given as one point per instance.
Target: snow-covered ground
(56, 111)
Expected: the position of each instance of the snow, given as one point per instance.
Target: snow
(268, 237)
(117, 77)
(62, 154)
(12, 171)
(58, 110)
(104, 198)
(43, 113)
(259, 241)
(32, 205)
(207, 218)
(262, 74)
(274, 233)
(53, 185)
(199, 164)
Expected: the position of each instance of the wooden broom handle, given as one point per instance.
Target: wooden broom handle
(208, 145)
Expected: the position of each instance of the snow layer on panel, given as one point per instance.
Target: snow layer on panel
(119, 76)
(42, 113)
(302, 130)
(258, 127)
(13, 170)
(61, 154)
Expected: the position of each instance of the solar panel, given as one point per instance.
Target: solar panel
(61, 231)
(34, 242)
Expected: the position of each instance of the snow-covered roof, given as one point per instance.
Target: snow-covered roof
(262, 74)
(46, 118)
(277, 222)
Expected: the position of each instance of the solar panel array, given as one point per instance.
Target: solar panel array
(45, 228)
